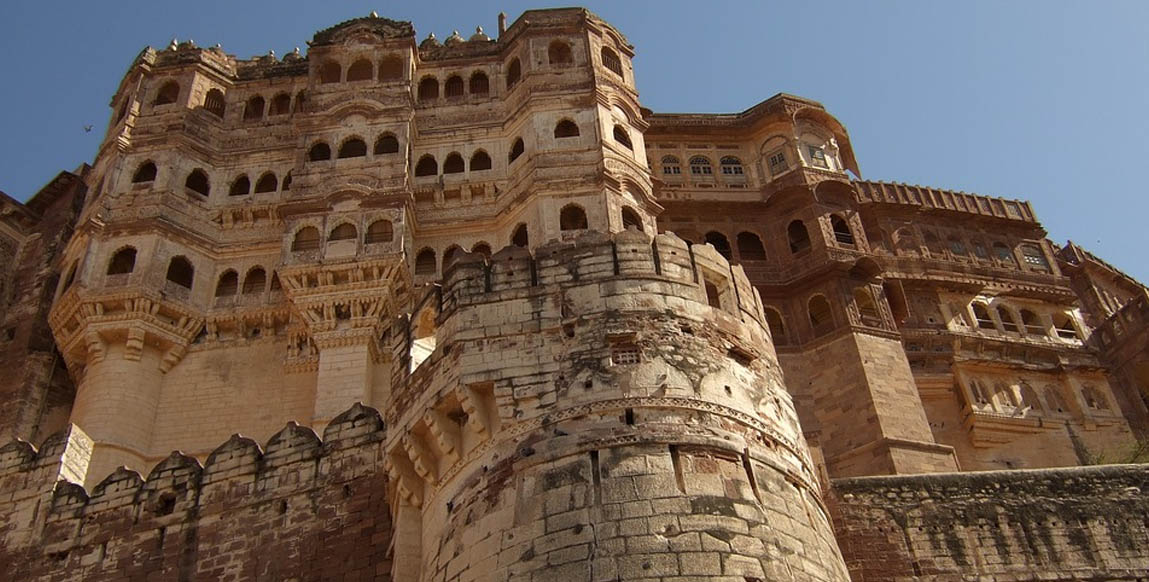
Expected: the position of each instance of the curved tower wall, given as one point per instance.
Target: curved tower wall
(588, 412)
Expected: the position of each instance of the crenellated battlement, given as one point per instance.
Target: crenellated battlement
(595, 257)
(279, 488)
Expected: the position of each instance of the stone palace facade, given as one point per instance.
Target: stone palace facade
(465, 310)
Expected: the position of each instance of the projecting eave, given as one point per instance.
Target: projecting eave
(781, 107)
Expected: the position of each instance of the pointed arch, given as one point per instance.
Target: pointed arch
(255, 281)
(353, 147)
(566, 128)
(228, 284)
(386, 144)
(631, 219)
(611, 61)
(215, 103)
(169, 93)
(319, 152)
(240, 187)
(517, 149)
(622, 137)
(268, 182)
(181, 272)
(559, 53)
(427, 166)
(750, 247)
(345, 231)
(514, 72)
(426, 263)
(798, 236)
(306, 239)
(720, 243)
(480, 84)
(280, 105)
(380, 231)
(521, 238)
(146, 172)
(480, 161)
(572, 217)
(454, 164)
(123, 261)
(454, 87)
(428, 89)
(253, 110)
(361, 70)
(197, 181)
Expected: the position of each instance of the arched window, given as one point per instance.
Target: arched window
(240, 187)
(700, 166)
(360, 70)
(979, 394)
(307, 239)
(1003, 396)
(425, 262)
(266, 183)
(380, 231)
(1032, 323)
(427, 166)
(516, 150)
(124, 261)
(228, 284)
(720, 243)
(287, 182)
(1007, 321)
(566, 128)
(514, 72)
(214, 102)
(731, 166)
(777, 328)
(145, 173)
(280, 104)
(454, 87)
(842, 233)
(611, 61)
(979, 250)
(391, 69)
(798, 236)
(345, 231)
(520, 238)
(454, 164)
(300, 101)
(330, 72)
(1035, 258)
(480, 161)
(255, 281)
(1003, 253)
(353, 148)
(319, 152)
(821, 318)
(168, 93)
(750, 247)
(671, 166)
(622, 137)
(1063, 324)
(1055, 400)
(1029, 397)
(253, 111)
(867, 308)
(559, 53)
(482, 249)
(981, 314)
(428, 89)
(386, 144)
(480, 85)
(451, 255)
(197, 182)
(181, 272)
(631, 219)
(1093, 398)
(572, 217)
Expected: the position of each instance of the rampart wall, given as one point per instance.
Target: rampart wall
(296, 508)
(1085, 523)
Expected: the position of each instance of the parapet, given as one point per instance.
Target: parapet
(1005, 525)
(597, 257)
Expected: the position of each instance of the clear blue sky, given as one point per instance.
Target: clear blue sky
(1037, 100)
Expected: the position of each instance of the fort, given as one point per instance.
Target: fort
(465, 310)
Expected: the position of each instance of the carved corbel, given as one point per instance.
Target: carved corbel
(96, 347)
(172, 357)
(134, 345)
(445, 433)
(421, 459)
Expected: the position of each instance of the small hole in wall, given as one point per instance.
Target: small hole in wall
(686, 329)
(568, 330)
(346, 491)
(282, 506)
(255, 332)
(729, 392)
(629, 416)
(588, 384)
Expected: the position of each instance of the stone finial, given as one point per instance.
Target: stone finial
(174, 45)
(295, 52)
(479, 35)
(271, 53)
(373, 14)
(455, 38)
(502, 23)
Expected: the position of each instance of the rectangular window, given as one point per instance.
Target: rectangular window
(732, 170)
(626, 354)
(818, 156)
(701, 170)
(673, 170)
(777, 162)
